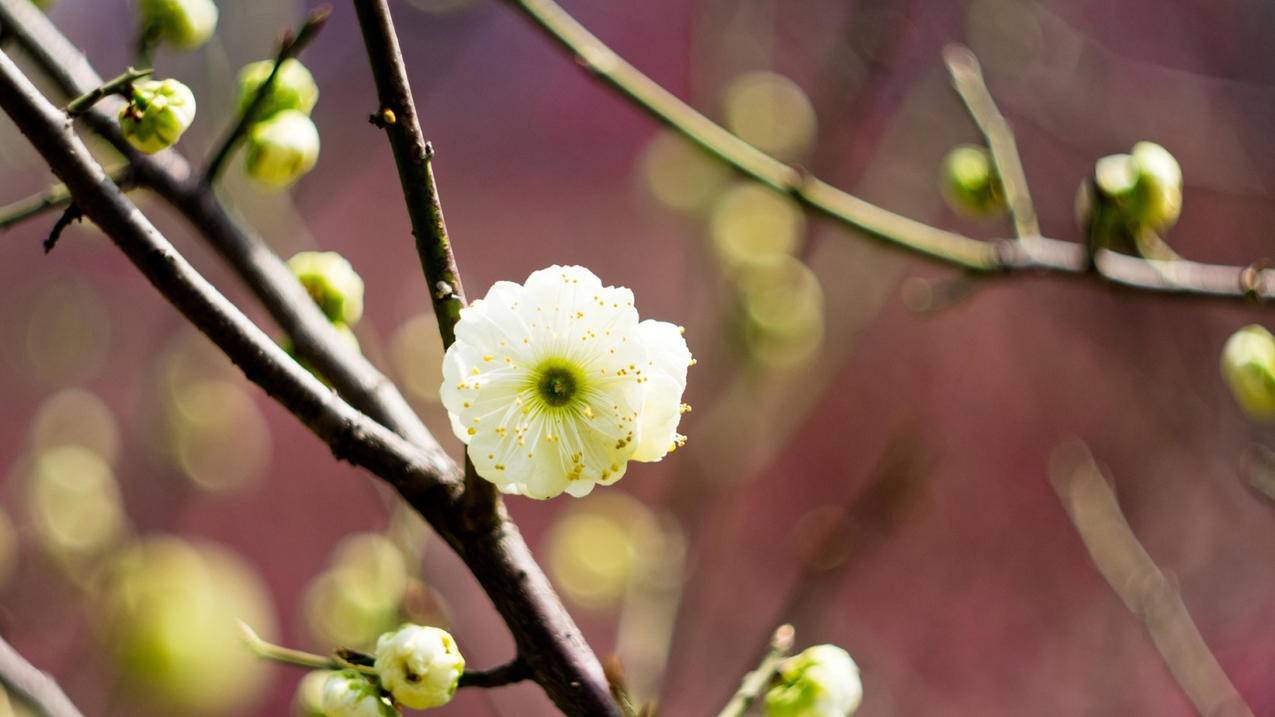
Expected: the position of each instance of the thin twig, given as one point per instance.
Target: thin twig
(755, 682)
(286, 655)
(30, 684)
(414, 157)
(1043, 254)
(1147, 592)
(291, 46)
(121, 85)
(967, 78)
(506, 674)
(69, 216)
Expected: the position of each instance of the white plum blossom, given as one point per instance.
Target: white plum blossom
(555, 385)
(420, 666)
(349, 694)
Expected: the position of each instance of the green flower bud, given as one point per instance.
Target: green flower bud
(1159, 186)
(159, 113)
(822, 681)
(293, 88)
(1105, 202)
(282, 148)
(1248, 365)
(42, 4)
(185, 24)
(420, 666)
(332, 283)
(349, 694)
(970, 183)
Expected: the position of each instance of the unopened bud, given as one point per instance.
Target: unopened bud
(282, 149)
(970, 182)
(332, 283)
(1159, 186)
(185, 24)
(349, 694)
(822, 681)
(159, 112)
(1248, 365)
(293, 88)
(419, 666)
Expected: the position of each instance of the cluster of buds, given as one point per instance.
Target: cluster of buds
(821, 681)
(184, 24)
(970, 182)
(158, 113)
(416, 666)
(283, 143)
(1130, 199)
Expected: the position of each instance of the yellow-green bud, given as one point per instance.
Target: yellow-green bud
(293, 88)
(282, 148)
(1159, 186)
(43, 4)
(349, 694)
(160, 111)
(822, 681)
(419, 666)
(185, 24)
(1105, 203)
(970, 182)
(1248, 365)
(332, 283)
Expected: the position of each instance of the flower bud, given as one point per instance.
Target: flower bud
(160, 111)
(420, 666)
(970, 183)
(185, 24)
(1159, 186)
(1248, 365)
(1104, 203)
(282, 148)
(293, 88)
(822, 681)
(332, 283)
(42, 4)
(349, 694)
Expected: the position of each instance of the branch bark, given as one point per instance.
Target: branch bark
(25, 680)
(1000, 257)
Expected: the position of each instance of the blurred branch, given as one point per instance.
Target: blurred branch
(967, 78)
(122, 85)
(54, 197)
(756, 682)
(289, 47)
(548, 640)
(30, 684)
(1042, 254)
(414, 156)
(1151, 596)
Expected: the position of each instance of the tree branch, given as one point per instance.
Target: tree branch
(1145, 590)
(1042, 254)
(967, 78)
(121, 85)
(39, 690)
(548, 640)
(291, 46)
(755, 682)
(54, 197)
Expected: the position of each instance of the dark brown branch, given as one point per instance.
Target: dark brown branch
(1149, 595)
(291, 46)
(547, 639)
(1045, 255)
(70, 215)
(967, 78)
(28, 683)
(506, 674)
(414, 157)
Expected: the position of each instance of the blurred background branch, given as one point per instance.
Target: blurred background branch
(33, 686)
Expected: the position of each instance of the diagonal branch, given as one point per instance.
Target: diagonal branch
(967, 78)
(998, 257)
(38, 689)
(1147, 592)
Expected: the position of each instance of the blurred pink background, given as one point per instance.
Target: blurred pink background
(967, 594)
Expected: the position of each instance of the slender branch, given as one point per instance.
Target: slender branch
(1151, 596)
(1042, 254)
(70, 215)
(289, 47)
(286, 655)
(495, 552)
(499, 676)
(967, 78)
(414, 156)
(755, 682)
(121, 85)
(38, 689)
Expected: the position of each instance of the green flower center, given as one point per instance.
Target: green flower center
(557, 382)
